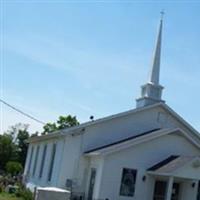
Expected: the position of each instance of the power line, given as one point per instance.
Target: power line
(21, 112)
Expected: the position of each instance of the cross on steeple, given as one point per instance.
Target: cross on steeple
(162, 13)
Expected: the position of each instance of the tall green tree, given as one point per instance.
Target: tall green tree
(22, 145)
(8, 150)
(20, 135)
(13, 145)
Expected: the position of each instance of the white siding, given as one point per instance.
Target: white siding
(141, 158)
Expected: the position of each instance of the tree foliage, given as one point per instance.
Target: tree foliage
(13, 167)
(62, 122)
(8, 150)
(22, 144)
(49, 127)
(13, 145)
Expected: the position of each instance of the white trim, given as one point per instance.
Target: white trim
(177, 116)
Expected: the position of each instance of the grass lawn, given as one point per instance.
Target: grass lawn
(5, 196)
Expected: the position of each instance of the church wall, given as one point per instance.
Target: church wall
(72, 165)
(140, 157)
(27, 159)
(187, 191)
(172, 121)
(120, 128)
(68, 164)
(43, 181)
(189, 171)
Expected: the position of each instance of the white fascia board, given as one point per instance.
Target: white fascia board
(57, 134)
(160, 174)
(167, 175)
(197, 144)
(43, 137)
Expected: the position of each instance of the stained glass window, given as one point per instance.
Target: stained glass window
(128, 182)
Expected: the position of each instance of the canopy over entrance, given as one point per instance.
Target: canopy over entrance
(173, 173)
(187, 167)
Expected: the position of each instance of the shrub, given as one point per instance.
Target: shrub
(24, 193)
(13, 167)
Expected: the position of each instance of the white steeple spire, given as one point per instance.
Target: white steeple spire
(155, 70)
(152, 91)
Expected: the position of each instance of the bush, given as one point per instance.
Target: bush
(13, 167)
(24, 193)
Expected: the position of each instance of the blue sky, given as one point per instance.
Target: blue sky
(90, 57)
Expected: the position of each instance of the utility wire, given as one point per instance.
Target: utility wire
(21, 112)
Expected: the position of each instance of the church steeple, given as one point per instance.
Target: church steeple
(151, 92)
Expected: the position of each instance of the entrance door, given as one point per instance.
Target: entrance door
(160, 190)
(175, 191)
(92, 182)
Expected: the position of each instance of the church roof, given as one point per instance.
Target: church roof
(173, 163)
(139, 139)
(81, 128)
(122, 141)
(163, 163)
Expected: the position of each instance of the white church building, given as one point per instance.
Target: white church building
(148, 153)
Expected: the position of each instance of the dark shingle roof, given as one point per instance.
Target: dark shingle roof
(172, 164)
(121, 141)
(163, 163)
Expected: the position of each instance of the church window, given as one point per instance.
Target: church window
(36, 159)
(91, 184)
(43, 161)
(52, 162)
(30, 161)
(128, 181)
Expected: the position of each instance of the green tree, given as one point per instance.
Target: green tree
(49, 127)
(13, 168)
(66, 122)
(22, 145)
(19, 133)
(8, 150)
(13, 145)
(62, 122)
